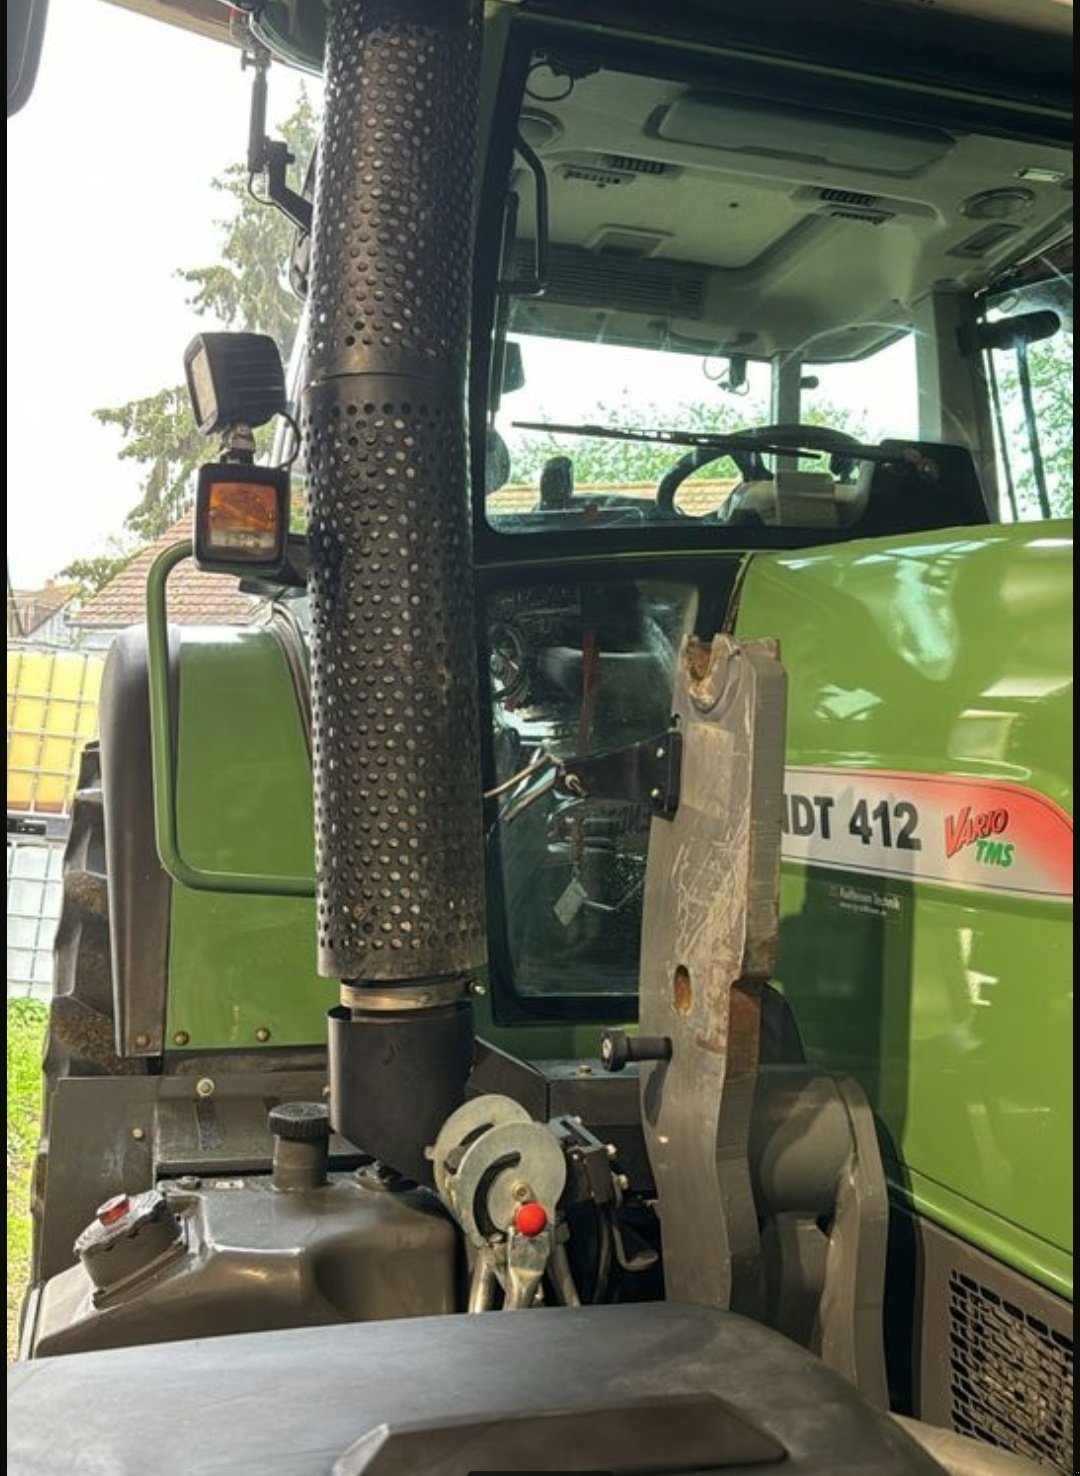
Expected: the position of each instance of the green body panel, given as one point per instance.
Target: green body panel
(240, 964)
(943, 654)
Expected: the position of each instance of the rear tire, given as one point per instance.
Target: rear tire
(80, 1040)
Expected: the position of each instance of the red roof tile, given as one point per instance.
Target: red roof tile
(194, 598)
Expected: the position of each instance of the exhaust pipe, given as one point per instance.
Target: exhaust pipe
(399, 840)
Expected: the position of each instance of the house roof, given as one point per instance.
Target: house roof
(215, 599)
(194, 598)
(29, 609)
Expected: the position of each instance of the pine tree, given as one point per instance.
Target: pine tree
(246, 290)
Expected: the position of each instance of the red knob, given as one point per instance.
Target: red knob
(530, 1219)
(113, 1209)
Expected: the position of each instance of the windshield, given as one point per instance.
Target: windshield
(682, 264)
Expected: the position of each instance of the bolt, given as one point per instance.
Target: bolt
(622, 1181)
(611, 1150)
(204, 1087)
(584, 1069)
(326, 1091)
(661, 753)
(188, 1181)
(142, 1040)
(656, 794)
(478, 988)
(181, 1038)
(521, 1191)
(262, 1035)
(138, 1134)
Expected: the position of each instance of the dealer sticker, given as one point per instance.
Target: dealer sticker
(982, 835)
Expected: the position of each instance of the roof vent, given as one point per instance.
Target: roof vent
(847, 197)
(601, 178)
(631, 165)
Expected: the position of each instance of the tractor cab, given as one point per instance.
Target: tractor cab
(626, 879)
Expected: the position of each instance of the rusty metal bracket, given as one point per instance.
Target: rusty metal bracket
(646, 772)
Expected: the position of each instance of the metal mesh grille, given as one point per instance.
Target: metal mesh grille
(394, 695)
(1011, 1375)
(33, 908)
(634, 286)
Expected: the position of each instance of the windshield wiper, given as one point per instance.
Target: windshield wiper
(747, 440)
(805, 441)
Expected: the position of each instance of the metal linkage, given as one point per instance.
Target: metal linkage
(503, 1175)
(511, 1183)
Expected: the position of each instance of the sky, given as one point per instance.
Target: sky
(109, 193)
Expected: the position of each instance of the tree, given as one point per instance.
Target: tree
(1050, 363)
(247, 291)
(87, 576)
(159, 431)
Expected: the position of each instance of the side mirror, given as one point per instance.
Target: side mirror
(25, 29)
(513, 370)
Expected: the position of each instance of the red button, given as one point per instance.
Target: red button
(113, 1209)
(530, 1219)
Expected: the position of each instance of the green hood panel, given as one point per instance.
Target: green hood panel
(947, 993)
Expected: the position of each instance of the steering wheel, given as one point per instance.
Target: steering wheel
(841, 449)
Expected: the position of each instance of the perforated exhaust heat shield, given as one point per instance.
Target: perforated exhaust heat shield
(399, 842)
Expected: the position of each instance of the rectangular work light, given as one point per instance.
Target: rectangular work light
(234, 379)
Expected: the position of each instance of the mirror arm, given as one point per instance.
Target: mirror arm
(271, 157)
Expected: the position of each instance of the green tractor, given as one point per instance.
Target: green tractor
(627, 874)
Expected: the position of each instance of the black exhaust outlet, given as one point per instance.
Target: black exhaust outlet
(392, 1075)
(399, 842)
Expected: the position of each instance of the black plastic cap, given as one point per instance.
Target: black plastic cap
(300, 1122)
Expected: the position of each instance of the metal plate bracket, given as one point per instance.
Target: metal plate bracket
(649, 772)
(709, 935)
